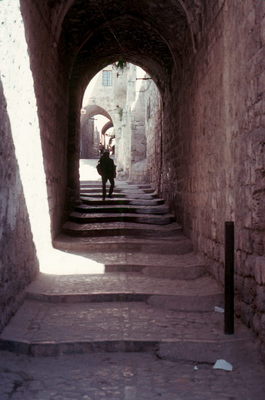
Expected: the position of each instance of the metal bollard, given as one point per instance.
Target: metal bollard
(229, 278)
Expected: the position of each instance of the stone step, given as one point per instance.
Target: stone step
(118, 184)
(44, 329)
(112, 201)
(130, 229)
(86, 218)
(167, 266)
(201, 294)
(171, 272)
(127, 191)
(102, 208)
(123, 195)
(76, 240)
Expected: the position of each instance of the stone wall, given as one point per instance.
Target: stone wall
(51, 91)
(213, 148)
(142, 126)
(89, 139)
(136, 132)
(18, 262)
(33, 136)
(153, 127)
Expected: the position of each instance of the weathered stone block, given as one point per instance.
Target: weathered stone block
(243, 236)
(260, 299)
(262, 328)
(249, 266)
(260, 270)
(262, 31)
(249, 290)
(246, 314)
(239, 280)
(257, 323)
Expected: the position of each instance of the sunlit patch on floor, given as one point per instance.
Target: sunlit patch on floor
(59, 262)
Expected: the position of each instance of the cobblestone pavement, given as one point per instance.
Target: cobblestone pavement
(125, 377)
(44, 322)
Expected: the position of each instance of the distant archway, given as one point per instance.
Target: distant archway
(90, 133)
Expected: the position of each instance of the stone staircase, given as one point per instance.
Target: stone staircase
(154, 295)
(133, 220)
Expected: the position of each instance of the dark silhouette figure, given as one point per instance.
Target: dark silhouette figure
(101, 149)
(107, 169)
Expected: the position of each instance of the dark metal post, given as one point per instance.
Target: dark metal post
(229, 278)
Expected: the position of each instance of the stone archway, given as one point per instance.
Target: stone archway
(90, 138)
(107, 126)
(89, 47)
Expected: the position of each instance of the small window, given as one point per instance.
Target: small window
(107, 78)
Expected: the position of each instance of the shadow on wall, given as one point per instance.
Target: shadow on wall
(18, 263)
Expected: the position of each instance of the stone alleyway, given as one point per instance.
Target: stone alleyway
(145, 326)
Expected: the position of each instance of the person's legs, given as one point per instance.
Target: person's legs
(111, 186)
(104, 181)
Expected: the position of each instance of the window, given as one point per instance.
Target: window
(106, 78)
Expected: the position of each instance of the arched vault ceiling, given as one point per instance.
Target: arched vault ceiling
(143, 48)
(94, 109)
(153, 34)
(106, 127)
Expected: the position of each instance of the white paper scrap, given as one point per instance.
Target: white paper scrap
(219, 309)
(222, 364)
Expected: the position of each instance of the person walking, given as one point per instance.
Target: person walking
(100, 149)
(107, 169)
